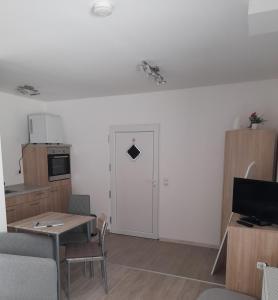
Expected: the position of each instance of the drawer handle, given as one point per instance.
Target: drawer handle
(11, 209)
(34, 204)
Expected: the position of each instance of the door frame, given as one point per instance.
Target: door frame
(112, 139)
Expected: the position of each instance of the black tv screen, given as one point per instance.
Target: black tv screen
(256, 198)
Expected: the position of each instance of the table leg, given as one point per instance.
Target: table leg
(57, 251)
(88, 231)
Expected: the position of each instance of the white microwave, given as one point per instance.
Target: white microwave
(45, 128)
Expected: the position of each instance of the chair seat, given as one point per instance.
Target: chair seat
(223, 294)
(83, 250)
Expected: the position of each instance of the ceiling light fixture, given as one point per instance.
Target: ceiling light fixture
(153, 72)
(27, 90)
(102, 8)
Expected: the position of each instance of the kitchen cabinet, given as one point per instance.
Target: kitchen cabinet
(52, 198)
(60, 192)
(35, 165)
(15, 208)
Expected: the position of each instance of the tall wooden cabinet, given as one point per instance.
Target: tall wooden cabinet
(242, 147)
(35, 167)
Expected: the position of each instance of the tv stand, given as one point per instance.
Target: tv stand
(255, 221)
(245, 248)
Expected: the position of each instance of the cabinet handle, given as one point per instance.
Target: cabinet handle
(34, 204)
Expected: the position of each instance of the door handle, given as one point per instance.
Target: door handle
(152, 182)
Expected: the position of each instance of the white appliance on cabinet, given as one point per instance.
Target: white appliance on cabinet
(45, 128)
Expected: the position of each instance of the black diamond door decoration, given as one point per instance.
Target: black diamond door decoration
(133, 152)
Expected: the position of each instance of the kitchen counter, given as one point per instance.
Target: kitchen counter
(21, 189)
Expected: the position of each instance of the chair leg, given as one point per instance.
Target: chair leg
(102, 269)
(105, 275)
(99, 238)
(68, 264)
(85, 268)
(92, 271)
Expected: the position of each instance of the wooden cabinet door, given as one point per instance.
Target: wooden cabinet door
(55, 197)
(14, 213)
(59, 194)
(15, 208)
(65, 194)
(32, 208)
(43, 198)
(48, 203)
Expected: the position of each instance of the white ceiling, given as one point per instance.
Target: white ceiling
(60, 48)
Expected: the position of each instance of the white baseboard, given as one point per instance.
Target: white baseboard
(189, 243)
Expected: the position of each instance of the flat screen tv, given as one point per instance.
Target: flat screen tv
(256, 199)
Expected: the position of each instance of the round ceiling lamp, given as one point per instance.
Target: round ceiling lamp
(102, 8)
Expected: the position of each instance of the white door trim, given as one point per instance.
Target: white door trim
(139, 128)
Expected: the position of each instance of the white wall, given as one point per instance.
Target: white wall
(3, 220)
(193, 124)
(14, 131)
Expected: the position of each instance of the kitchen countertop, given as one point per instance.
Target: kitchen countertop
(20, 189)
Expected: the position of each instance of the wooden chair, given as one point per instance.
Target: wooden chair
(90, 252)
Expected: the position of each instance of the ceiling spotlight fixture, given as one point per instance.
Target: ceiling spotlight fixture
(102, 8)
(153, 72)
(27, 90)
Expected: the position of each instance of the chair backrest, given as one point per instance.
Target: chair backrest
(80, 205)
(102, 227)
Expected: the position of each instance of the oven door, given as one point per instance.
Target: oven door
(58, 166)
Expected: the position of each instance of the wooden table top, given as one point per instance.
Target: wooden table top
(70, 221)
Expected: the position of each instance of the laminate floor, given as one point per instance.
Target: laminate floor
(170, 258)
(142, 269)
(131, 284)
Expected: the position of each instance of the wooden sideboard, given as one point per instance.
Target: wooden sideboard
(247, 246)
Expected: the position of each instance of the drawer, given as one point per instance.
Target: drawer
(16, 200)
(38, 195)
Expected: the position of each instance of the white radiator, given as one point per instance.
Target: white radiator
(270, 284)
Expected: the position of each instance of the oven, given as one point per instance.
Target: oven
(58, 163)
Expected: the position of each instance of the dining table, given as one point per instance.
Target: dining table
(55, 224)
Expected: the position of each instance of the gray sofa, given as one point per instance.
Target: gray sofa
(28, 270)
(223, 294)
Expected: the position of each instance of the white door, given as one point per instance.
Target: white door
(134, 180)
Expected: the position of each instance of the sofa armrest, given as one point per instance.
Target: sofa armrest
(27, 278)
(27, 245)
